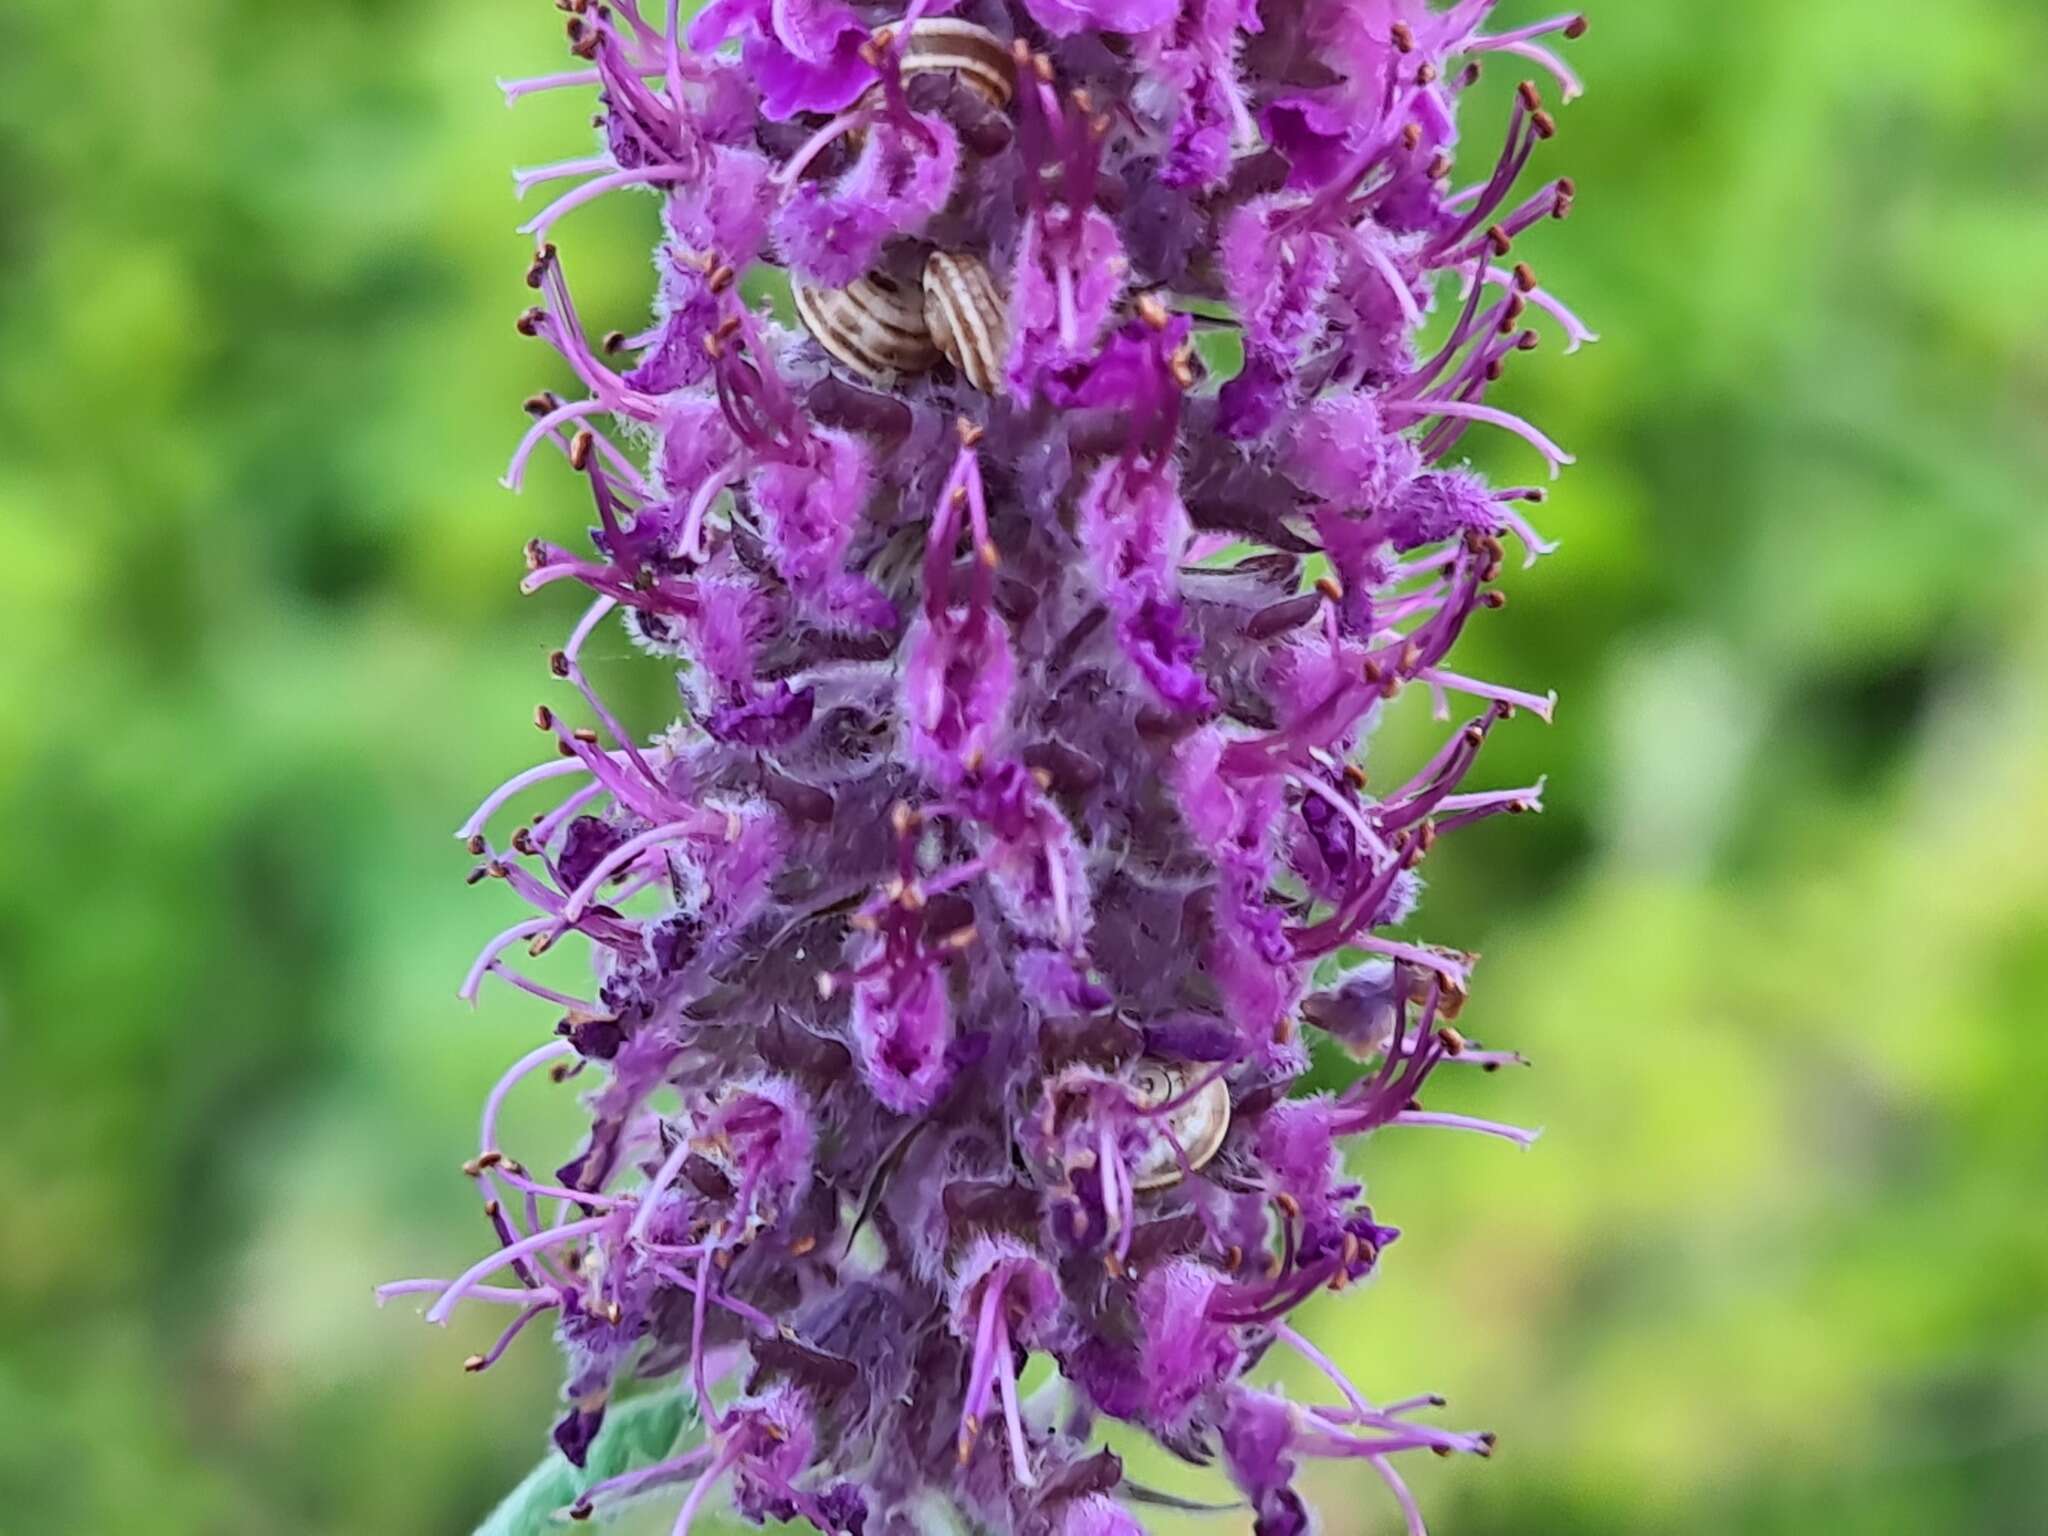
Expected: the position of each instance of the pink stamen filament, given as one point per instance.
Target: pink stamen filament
(1519, 1135)
(1542, 706)
(539, 1241)
(590, 191)
(539, 1057)
(532, 176)
(497, 1295)
(650, 1197)
(1507, 421)
(487, 958)
(626, 853)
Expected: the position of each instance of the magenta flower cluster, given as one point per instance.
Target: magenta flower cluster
(1033, 595)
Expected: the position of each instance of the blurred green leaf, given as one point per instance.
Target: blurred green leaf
(636, 1434)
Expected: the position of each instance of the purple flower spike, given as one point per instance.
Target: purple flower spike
(952, 953)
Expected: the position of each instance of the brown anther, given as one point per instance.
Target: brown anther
(475, 1363)
(1020, 52)
(1528, 341)
(1403, 37)
(862, 922)
(1411, 137)
(911, 897)
(1411, 657)
(1354, 776)
(1233, 1258)
(537, 269)
(1493, 599)
(579, 1510)
(1272, 1266)
(1439, 166)
(585, 735)
(1494, 370)
(1329, 587)
(584, 46)
(959, 938)
(1452, 1042)
(1083, 102)
(1112, 1266)
(987, 551)
(614, 342)
(528, 324)
(1425, 75)
(562, 1071)
(722, 1260)
(721, 278)
(474, 877)
(903, 818)
(613, 1312)
(1520, 807)
(558, 663)
(1532, 99)
(1498, 240)
(1152, 312)
(522, 842)
(580, 448)
(1182, 366)
(1373, 673)
(1525, 276)
(1041, 66)
(493, 1210)
(1042, 777)
(1289, 1206)
(802, 1246)
(1512, 312)
(543, 718)
(477, 845)
(1544, 124)
(1340, 1279)
(537, 405)
(968, 433)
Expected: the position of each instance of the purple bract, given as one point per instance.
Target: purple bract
(953, 950)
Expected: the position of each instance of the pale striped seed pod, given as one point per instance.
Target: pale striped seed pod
(966, 317)
(1199, 1125)
(872, 326)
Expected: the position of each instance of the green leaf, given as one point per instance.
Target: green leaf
(635, 1434)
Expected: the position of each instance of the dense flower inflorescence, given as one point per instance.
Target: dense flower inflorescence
(952, 952)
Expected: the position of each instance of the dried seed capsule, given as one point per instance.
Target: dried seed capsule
(871, 325)
(1198, 1125)
(966, 317)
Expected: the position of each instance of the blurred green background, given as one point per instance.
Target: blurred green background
(1779, 949)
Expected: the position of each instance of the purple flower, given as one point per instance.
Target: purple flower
(953, 951)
